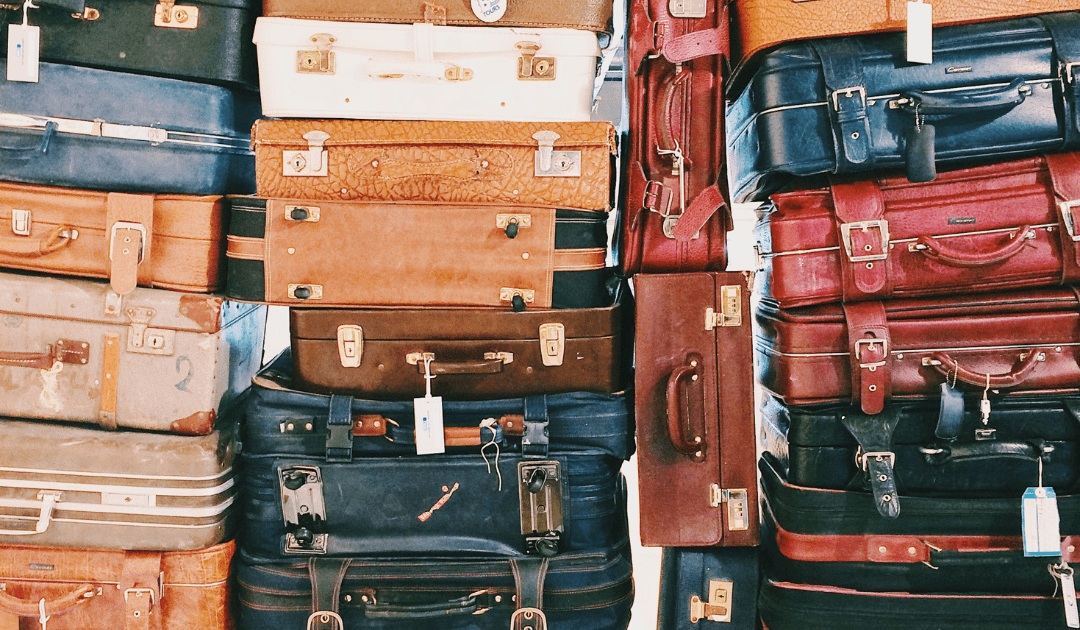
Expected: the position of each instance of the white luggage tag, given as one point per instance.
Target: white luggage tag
(920, 32)
(428, 416)
(24, 46)
(1064, 574)
(1039, 515)
(489, 10)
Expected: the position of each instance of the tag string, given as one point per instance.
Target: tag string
(428, 376)
(25, 9)
(489, 424)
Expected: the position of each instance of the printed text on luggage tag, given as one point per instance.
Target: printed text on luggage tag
(489, 10)
(920, 32)
(428, 418)
(1042, 536)
(22, 53)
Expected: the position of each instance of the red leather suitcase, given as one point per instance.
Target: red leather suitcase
(869, 352)
(678, 213)
(1004, 226)
(694, 408)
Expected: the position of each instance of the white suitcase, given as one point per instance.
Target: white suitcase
(320, 69)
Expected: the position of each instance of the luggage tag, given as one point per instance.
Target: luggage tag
(24, 46)
(920, 155)
(920, 32)
(489, 10)
(1039, 515)
(1064, 574)
(427, 412)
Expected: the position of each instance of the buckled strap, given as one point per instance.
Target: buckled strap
(1065, 178)
(863, 233)
(339, 424)
(129, 223)
(868, 343)
(140, 583)
(874, 433)
(1065, 31)
(693, 45)
(529, 574)
(841, 66)
(707, 203)
(534, 442)
(327, 575)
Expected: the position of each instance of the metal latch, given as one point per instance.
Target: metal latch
(303, 509)
(350, 344)
(552, 343)
(305, 291)
(507, 294)
(687, 8)
(457, 73)
(311, 162)
(718, 608)
(294, 212)
(89, 14)
(505, 357)
(21, 222)
(730, 308)
(738, 502)
(145, 340)
(540, 496)
(169, 15)
(322, 60)
(533, 68)
(552, 163)
(511, 223)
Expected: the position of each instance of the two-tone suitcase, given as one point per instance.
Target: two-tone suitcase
(694, 409)
(292, 252)
(995, 90)
(709, 585)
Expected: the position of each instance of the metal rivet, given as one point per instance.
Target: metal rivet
(1072, 548)
(885, 498)
(308, 426)
(693, 378)
(883, 478)
(344, 190)
(483, 163)
(292, 250)
(900, 356)
(911, 550)
(1057, 349)
(872, 388)
(882, 549)
(869, 265)
(498, 598)
(525, 256)
(290, 426)
(528, 370)
(348, 598)
(693, 363)
(868, 247)
(855, 135)
(376, 424)
(375, 164)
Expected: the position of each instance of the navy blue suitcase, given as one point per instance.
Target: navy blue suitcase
(717, 585)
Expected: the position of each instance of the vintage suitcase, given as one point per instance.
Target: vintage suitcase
(68, 486)
(565, 165)
(196, 41)
(178, 240)
(125, 133)
(588, 590)
(677, 210)
(1005, 226)
(694, 409)
(871, 352)
(282, 251)
(714, 585)
(162, 360)
(320, 69)
(996, 90)
(74, 589)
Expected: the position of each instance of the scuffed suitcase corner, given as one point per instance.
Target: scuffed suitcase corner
(199, 423)
(204, 310)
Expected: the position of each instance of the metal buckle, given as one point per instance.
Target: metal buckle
(127, 225)
(861, 458)
(1067, 71)
(845, 235)
(324, 616)
(528, 618)
(150, 591)
(849, 91)
(655, 190)
(870, 342)
(1067, 217)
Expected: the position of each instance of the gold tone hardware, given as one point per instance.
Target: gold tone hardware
(927, 361)
(687, 8)
(127, 225)
(350, 343)
(89, 14)
(552, 343)
(738, 505)
(457, 73)
(311, 162)
(718, 608)
(322, 60)
(506, 294)
(552, 163)
(883, 228)
(305, 291)
(415, 358)
(523, 220)
(533, 68)
(21, 222)
(505, 357)
(730, 308)
(169, 15)
(309, 214)
(1040, 357)
(1067, 208)
(142, 339)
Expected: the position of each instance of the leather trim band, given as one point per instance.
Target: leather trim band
(842, 69)
(868, 345)
(246, 248)
(129, 226)
(141, 586)
(707, 202)
(874, 433)
(1064, 171)
(327, 575)
(110, 372)
(579, 259)
(863, 234)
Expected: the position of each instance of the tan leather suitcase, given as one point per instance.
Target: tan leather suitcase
(163, 241)
(565, 165)
(77, 589)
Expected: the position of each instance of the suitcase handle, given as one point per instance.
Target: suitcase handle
(966, 102)
(44, 608)
(25, 153)
(676, 383)
(935, 249)
(49, 499)
(63, 351)
(57, 238)
(941, 454)
(948, 367)
(467, 605)
(478, 366)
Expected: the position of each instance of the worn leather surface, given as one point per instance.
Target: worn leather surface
(455, 162)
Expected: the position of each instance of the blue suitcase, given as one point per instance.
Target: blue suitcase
(709, 587)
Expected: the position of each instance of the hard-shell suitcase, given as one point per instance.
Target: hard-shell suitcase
(694, 409)
(153, 359)
(293, 252)
(996, 90)
(125, 133)
(871, 352)
(677, 211)
(1001, 227)
(588, 590)
(68, 486)
(565, 165)
(199, 40)
(422, 71)
(709, 585)
(163, 241)
(74, 589)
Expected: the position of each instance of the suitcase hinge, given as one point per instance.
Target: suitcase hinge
(551, 163)
(730, 313)
(319, 61)
(687, 8)
(169, 15)
(145, 340)
(533, 68)
(718, 608)
(305, 291)
(311, 162)
(738, 503)
(303, 509)
(350, 344)
(540, 496)
(310, 214)
(552, 343)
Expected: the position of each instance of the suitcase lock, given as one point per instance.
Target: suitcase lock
(718, 608)
(169, 15)
(552, 163)
(533, 68)
(311, 162)
(303, 509)
(552, 343)
(350, 341)
(322, 60)
(730, 313)
(540, 495)
(142, 339)
(738, 502)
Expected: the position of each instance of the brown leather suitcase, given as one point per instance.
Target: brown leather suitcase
(163, 241)
(565, 165)
(694, 408)
(76, 589)
(981, 229)
(474, 353)
(870, 352)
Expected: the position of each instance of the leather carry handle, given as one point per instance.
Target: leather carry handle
(48, 499)
(57, 239)
(967, 102)
(676, 383)
(948, 367)
(940, 454)
(44, 606)
(664, 133)
(64, 351)
(466, 605)
(42, 147)
(511, 424)
(937, 250)
(477, 366)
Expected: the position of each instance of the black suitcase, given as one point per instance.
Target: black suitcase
(709, 585)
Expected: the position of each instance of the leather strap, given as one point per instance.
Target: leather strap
(327, 575)
(868, 343)
(141, 586)
(246, 247)
(842, 69)
(707, 203)
(950, 412)
(534, 442)
(585, 259)
(693, 45)
(339, 429)
(874, 433)
(529, 574)
(110, 374)
(863, 234)
(1064, 171)
(1065, 30)
(129, 223)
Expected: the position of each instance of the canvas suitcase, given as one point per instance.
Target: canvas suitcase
(871, 352)
(125, 133)
(291, 252)
(589, 590)
(996, 90)
(694, 410)
(713, 585)
(422, 71)
(565, 165)
(74, 589)
(163, 360)
(68, 486)
(677, 208)
(1000, 227)
(196, 41)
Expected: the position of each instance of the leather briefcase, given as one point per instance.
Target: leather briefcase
(74, 589)
(1000, 227)
(677, 210)
(854, 105)
(694, 409)
(714, 585)
(291, 252)
(871, 352)
(564, 165)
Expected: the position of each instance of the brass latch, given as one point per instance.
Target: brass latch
(20, 222)
(551, 163)
(687, 8)
(552, 343)
(145, 340)
(738, 502)
(417, 358)
(517, 297)
(303, 509)
(310, 214)
(89, 14)
(305, 291)
(457, 73)
(730, 308)
(311, 162)
(533, 68)
(540, 497)
(350, 344)
(169, 15)
(511, 223)
(718, 608)
(505, 357)
(318, 61)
